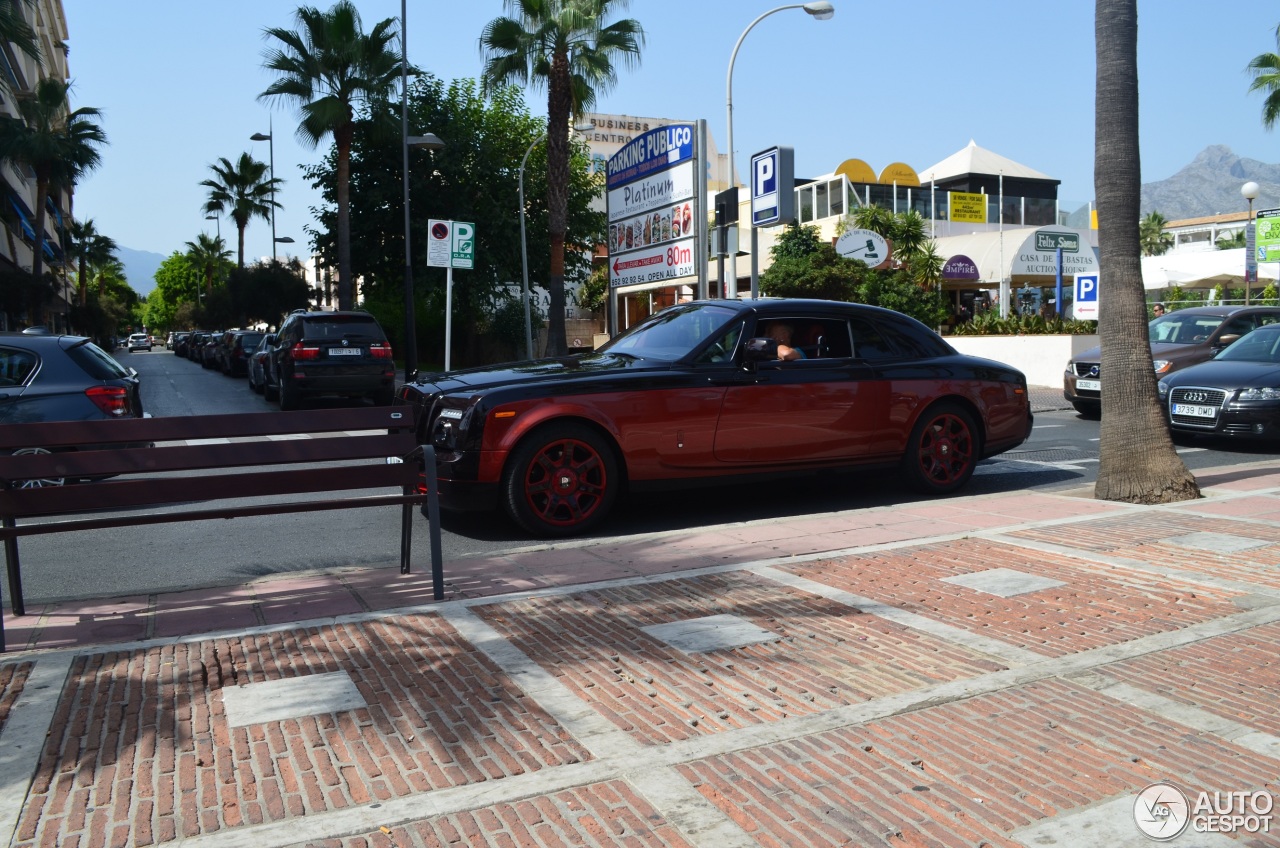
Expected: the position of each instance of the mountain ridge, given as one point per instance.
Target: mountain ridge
(1210, 185)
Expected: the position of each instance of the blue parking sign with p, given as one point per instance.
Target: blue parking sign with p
(1085, 300)
(773, 187)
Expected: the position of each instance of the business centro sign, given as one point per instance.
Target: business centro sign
(654, 209)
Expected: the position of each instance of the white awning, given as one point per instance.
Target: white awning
(1201, 269)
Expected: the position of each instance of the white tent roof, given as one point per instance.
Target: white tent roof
(1200, 269)
(978, 160)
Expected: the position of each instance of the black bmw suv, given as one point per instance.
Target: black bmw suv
(330, 353)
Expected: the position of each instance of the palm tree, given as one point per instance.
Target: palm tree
(208, 255)
(565, 45)
(326, 68)
(243, 191)
(15, 30)
(1265, 68)
(1137, 460)
(57, 144)
(1152, 236)
(92, 249)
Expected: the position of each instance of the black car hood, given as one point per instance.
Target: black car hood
(580, 366)
(1227, 374)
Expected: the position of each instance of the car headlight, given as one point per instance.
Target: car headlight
(1260, 394)
(444, 433)
(1162, 389)
(1071, 366)
(1162, 365)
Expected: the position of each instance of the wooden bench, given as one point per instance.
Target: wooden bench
(144, 464)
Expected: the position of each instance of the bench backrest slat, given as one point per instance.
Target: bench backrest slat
(179, 428)
(182, 457)
(130, 493)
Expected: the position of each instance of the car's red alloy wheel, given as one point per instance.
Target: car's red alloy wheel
(565, 482)
(946, 449)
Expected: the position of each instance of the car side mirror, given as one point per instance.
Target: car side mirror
(761, 350)
(1223, 341)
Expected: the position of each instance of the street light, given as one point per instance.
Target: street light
(1250, 192)
(524, 246)
(822, 11)
(218, 219)
(430, 141)
(268, 137)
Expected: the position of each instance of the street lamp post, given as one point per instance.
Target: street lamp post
(427, 142)
(1250, 191)
(218, 220)
(822, 11)
(524, 245)
(269, 138)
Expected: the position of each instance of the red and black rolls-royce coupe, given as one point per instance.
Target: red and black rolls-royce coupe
(698, 391)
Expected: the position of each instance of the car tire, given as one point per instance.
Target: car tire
(943, 450)
(1088, 410)
(269, 392)
(43, 483)
(289, 397)
(561, 480)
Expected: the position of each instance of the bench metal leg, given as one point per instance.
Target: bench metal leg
(433, 520)
(14, 568)
(406, 533)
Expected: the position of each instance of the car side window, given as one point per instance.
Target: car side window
(1238, 326)
(1267, 318)
(15, 366)
(869, 343)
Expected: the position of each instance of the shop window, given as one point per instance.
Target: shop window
(804, 205)
(821, 208)
(836, 193)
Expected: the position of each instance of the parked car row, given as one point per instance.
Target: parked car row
(1219, 370)
(314, 354)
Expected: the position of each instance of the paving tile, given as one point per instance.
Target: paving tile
(967, 773)
(602, 814)
(151, 724)
(1235, 676)
(824, 654)
(1095, 605)
(13, 676)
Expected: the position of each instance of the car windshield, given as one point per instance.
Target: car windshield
(673, 333)
(1262, 345)
(1183, 328)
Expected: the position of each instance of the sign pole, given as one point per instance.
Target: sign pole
(448, 314)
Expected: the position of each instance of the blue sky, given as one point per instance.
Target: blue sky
(912, 81)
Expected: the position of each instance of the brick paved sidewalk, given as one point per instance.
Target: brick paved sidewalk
(997, 670)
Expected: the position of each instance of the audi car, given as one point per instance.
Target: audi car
(697, 392)
(1236, 394)
(1179, 339)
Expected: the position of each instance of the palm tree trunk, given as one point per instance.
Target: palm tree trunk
(80, 280)
(346, 283)
(558, 108)
(1138, 463)
(240, 256)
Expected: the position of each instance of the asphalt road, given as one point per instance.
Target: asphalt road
(1062, 453)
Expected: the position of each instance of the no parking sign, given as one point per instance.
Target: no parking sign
(1085, 301)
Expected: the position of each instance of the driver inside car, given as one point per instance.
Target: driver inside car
(782, 332)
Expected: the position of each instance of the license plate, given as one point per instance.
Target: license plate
(344, 351)
(1194, 410)
(1089, 385)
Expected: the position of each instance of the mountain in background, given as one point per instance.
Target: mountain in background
(1210, 185)
(140, 268)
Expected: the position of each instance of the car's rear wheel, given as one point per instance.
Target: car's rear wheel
(561, 480)
(943, 450)
(43, 482)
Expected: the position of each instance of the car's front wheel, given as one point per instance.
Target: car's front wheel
(561, 480)
(943, 450)
(289, 397)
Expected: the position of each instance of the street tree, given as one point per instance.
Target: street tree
(327, 68)
(91, 250)
(487, 136)
(1137, 461)
(566, 46)
(1153, 237)
(177, 282)
(210, 257)
(1265, 68)
(57, 143)
(243, 191)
